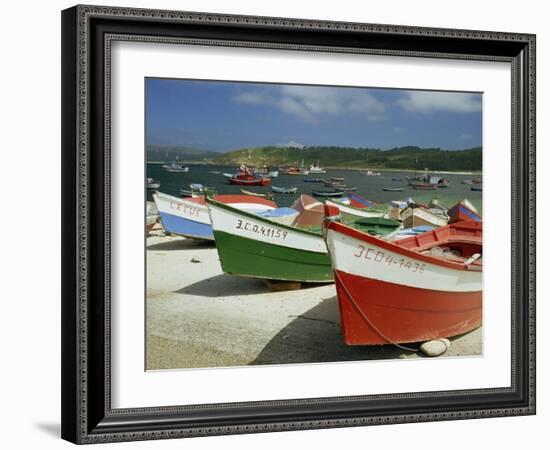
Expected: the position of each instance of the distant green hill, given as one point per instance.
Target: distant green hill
(409, 157)
(169, 153)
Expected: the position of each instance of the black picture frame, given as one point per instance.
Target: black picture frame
(87, 416)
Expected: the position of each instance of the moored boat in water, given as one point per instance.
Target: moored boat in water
(421, 288)
(245, 177)
(152, 184)
(283, 190)
(175, 167)
(334, 193)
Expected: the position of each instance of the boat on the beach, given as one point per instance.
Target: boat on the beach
(415, 215)
(463, 210)
(421, 288)
(151, 216)
(393, 189)
(283, 190)
(377, 226)
(152, 184)
(311, 212)
(189, 216)
(337, 178)
(215, 172)
(347, 188)
(254, 246)
(283, 215)
(350, 212)
(176, 167)
(397, 179)
(357, 201)
(476, 188)
(313, 180)
(327, 193)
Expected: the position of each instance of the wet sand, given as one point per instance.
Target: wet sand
(197, 316)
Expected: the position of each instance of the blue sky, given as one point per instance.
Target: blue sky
(223, 116)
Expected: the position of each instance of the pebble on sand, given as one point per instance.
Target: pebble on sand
(436, 347)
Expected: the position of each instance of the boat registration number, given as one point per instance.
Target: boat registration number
(260, 229)
(381, 257)
(186, 209)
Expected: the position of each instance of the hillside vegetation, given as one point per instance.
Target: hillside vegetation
(409, 157)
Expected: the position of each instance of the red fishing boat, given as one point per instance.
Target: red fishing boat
(246, 177)
(425, 287)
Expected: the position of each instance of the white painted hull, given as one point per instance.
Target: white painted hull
(264, 230)
(368, 260)
(355, 211)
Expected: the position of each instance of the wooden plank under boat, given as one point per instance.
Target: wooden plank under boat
(189, 217)
(410, 291)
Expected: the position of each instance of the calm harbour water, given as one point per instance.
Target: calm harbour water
(369, 187)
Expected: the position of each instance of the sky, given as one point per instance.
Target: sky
(223, 116)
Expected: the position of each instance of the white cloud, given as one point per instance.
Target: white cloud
(419, 101)
(312, 103)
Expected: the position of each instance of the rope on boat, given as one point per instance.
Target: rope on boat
(369, 322)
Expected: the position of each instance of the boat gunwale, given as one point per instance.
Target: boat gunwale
(210, 201)
(346, 230)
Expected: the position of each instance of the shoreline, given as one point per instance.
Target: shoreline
(355, 169)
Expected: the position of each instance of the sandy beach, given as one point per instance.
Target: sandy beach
(197, 316)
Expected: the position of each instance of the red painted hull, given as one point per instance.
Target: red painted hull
(255, 182)
(384, 313)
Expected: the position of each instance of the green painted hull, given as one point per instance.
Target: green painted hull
(251, 258)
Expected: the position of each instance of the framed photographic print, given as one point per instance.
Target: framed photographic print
(277, 224)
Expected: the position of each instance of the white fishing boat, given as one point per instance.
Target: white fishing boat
(315, 169)
(175, 166)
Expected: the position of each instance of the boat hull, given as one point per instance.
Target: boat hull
(355, 213)
(190, 217)
(390, 294)
(401, 313)
(251, 246)
(256, 182)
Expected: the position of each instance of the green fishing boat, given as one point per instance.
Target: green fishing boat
(253, 246)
